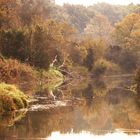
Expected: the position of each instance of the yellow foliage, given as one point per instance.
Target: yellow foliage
(127, 31)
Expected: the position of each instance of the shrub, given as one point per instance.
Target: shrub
(103, 66)
(10, 118)
(12, 71)
(127, 59)
(26, 44)
(89, 61)
(13, 43)
(11, 98)
(53, 73)
(6, 103)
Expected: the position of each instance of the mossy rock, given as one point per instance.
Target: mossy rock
(11, 98)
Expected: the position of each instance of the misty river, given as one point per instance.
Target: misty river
(102, 109)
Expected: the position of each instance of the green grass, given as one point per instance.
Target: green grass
(54, 74)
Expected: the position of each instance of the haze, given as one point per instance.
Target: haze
(90, 2)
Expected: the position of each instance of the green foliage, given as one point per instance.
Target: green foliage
(13, 43)
(39, 54)
(54, 74)
(17, 43)
(11, 98)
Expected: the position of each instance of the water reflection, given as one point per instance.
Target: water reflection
(10, 118)
(97, 107)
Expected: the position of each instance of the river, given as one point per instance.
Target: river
(102, 109)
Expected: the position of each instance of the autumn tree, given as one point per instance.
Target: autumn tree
(13, 43)
(99, 27)
(9, 14)
(78, 16)
(95, 51)
(89, 60)
(114, 13)
(34, 8)
(39, 54)
(132, 8)
(51, 38)
(127, 32)
(126, 35)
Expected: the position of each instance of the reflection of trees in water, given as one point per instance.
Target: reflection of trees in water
(12, 117)
(87, 111)
(96, 88)
(88, 94)
(42, 124)
(97, 116)
(125, 112)
(82, 89)
(100, 88)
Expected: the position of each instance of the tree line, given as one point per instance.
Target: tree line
(100, 39)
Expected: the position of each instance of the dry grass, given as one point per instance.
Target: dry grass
(14, 72)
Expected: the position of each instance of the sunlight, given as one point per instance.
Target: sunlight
(88, 136)
(91, 2)
(70, 69)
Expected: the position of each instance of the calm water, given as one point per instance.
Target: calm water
(100, 109)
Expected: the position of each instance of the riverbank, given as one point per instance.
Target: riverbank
(18, 82)
(11, 99)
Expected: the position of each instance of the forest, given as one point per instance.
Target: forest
(41, 42)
